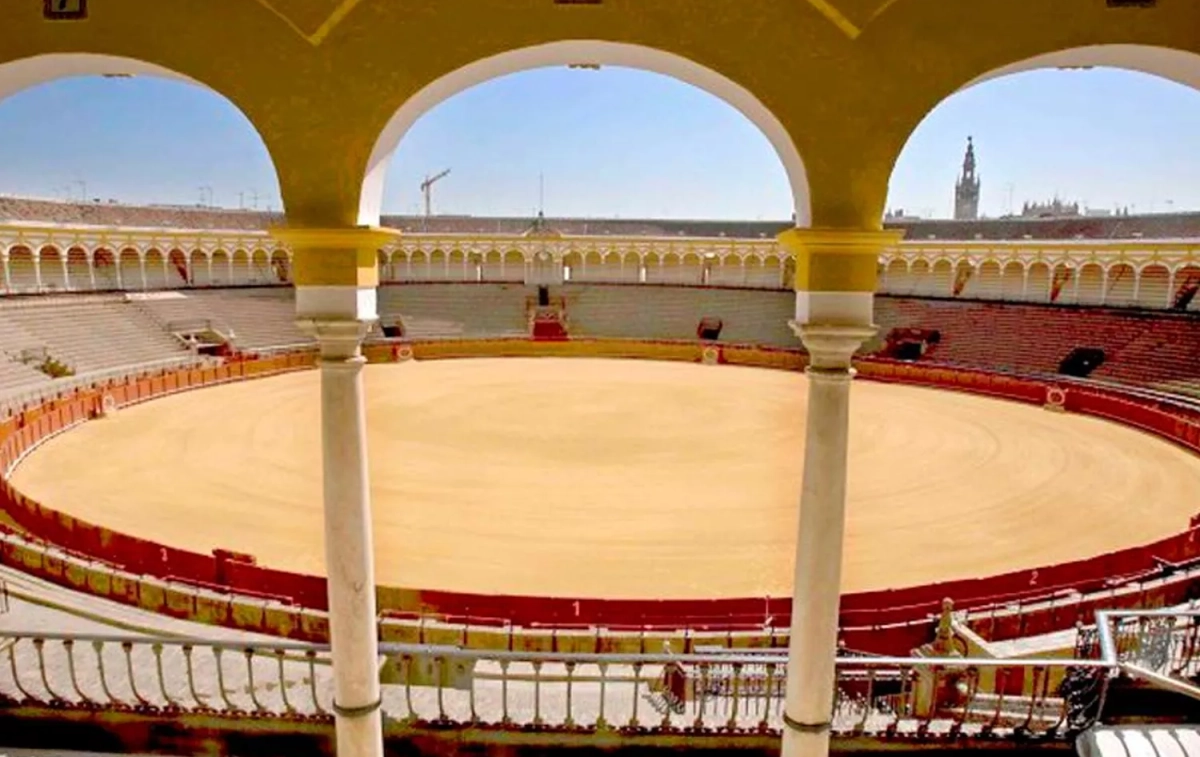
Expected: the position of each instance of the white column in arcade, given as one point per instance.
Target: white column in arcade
(835, 278)
(336, 275)
(817, 589)
(353, 625)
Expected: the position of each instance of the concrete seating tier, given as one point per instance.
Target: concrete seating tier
(654, 312)
(96, 332)
(91, 333)
(450, 311)
(257, 318)
(1140, 347)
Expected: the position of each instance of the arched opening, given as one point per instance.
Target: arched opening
(964, 279)
(99, 176)
(573, 270)
(437, 266)
(1091, 149)
(919, 276)
(260, 267)
(1122, 286)
(1029, 104)
(456, 266)
(1185, 288)
(1064, 284)
(631, 268)
(281, 268)
(79, 272)
(22, 270)
(201, 269)
(942, 278)
(513, 266)
(652, 265)
(987, 281)
(492, 268)
(671, 271)
(1154, 286)
(898, 281)
(566, 53)
(1038, 289)
(156, 270)
(1012, 282)
(129, 270)
(1091, 285)
(240, 265)
(53, 268)
(222, 269)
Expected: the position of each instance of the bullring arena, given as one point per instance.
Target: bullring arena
(619, 479)
(565, 483)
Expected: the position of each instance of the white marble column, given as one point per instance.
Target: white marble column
(813, 643)
(348, 545)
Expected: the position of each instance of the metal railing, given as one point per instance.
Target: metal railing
(729, 691)
(1160, 647)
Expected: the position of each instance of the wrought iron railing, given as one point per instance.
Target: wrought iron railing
(729, 692)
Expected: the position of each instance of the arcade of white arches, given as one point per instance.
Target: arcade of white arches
(836, 86)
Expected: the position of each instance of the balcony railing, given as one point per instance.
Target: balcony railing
(723, 691)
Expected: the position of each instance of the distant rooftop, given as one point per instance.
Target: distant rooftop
(1146, 226)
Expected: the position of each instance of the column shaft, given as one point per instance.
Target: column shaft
(349, 558)
(812, 646)
(813, 642)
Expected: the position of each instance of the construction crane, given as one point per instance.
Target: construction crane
(427, 187)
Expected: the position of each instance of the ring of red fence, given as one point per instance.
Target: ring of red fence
(710, 356)
(1056, 396)
(404, 353)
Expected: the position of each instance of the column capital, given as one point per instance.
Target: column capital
(339, 339)
(336, 270)
(830, 348)
(836, 272)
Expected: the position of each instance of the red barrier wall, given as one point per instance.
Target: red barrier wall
(901, 614)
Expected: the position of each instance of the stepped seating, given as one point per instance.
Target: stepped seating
(1140, 348)
(1007, 336)
(1167, 350)
(258, 318)
(14, 341)
(94, 333)
(16, 376)
(649, 312)
(443, 311)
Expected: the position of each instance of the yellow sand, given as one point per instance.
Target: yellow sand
(620, 478)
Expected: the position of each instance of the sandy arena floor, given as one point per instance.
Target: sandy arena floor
(620, 478)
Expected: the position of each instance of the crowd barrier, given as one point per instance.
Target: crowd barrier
(232, 590)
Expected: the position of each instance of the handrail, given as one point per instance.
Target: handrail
(587, 693)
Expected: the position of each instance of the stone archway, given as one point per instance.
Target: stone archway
(569, 52)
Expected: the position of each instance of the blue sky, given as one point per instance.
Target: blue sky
(617, 142)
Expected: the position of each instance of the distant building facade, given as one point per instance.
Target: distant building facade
(1056, 208)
